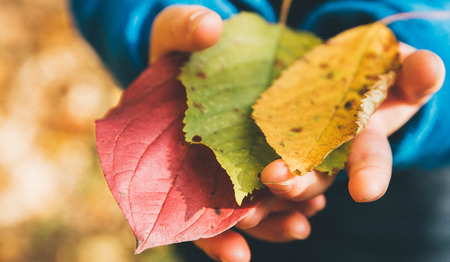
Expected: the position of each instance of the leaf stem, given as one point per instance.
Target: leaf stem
(415, 15)
(285, 11)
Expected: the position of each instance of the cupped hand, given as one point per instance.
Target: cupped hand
(369, 167)
(370, 161)
(284, 215)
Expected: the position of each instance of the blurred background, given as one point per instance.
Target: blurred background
(54, 202)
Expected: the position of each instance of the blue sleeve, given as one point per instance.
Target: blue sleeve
(424, 141)
(119, 30)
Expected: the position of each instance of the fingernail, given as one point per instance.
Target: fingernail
(437, 65)
(299, 233)
(197, 18)
(370, 198)
(298, 236)
(282, 187)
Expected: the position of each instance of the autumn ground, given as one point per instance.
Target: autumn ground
(54, 202)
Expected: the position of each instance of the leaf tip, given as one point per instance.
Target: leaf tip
(139, 247)
(239, 196)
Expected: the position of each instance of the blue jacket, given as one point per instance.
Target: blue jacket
(119, 31)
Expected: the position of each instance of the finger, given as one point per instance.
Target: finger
(370, 163)
(282, 227)
(228, 246)
(184, 28)
(421, 76)
(309, 207)
(257, 214)
(284, 184)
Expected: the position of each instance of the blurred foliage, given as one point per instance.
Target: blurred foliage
(54, 202)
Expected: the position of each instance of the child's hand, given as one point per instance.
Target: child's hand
(283, 217)
(182, 28)
(370, 162)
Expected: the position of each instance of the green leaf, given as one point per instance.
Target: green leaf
(222, 84)
(336, 160)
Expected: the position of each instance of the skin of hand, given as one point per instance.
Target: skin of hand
(284, 215)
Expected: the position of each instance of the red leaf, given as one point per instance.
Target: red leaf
(169, 191)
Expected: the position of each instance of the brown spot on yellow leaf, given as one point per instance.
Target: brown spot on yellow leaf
(349, 105)
(363, 90)
(329, 75)
(373, 77)
(371, 55)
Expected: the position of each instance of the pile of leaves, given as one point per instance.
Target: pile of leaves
(183, 150)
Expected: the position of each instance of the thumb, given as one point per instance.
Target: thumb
(184, 28)
(422, 74)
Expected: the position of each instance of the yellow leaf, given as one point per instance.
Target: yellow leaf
(326, 98)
